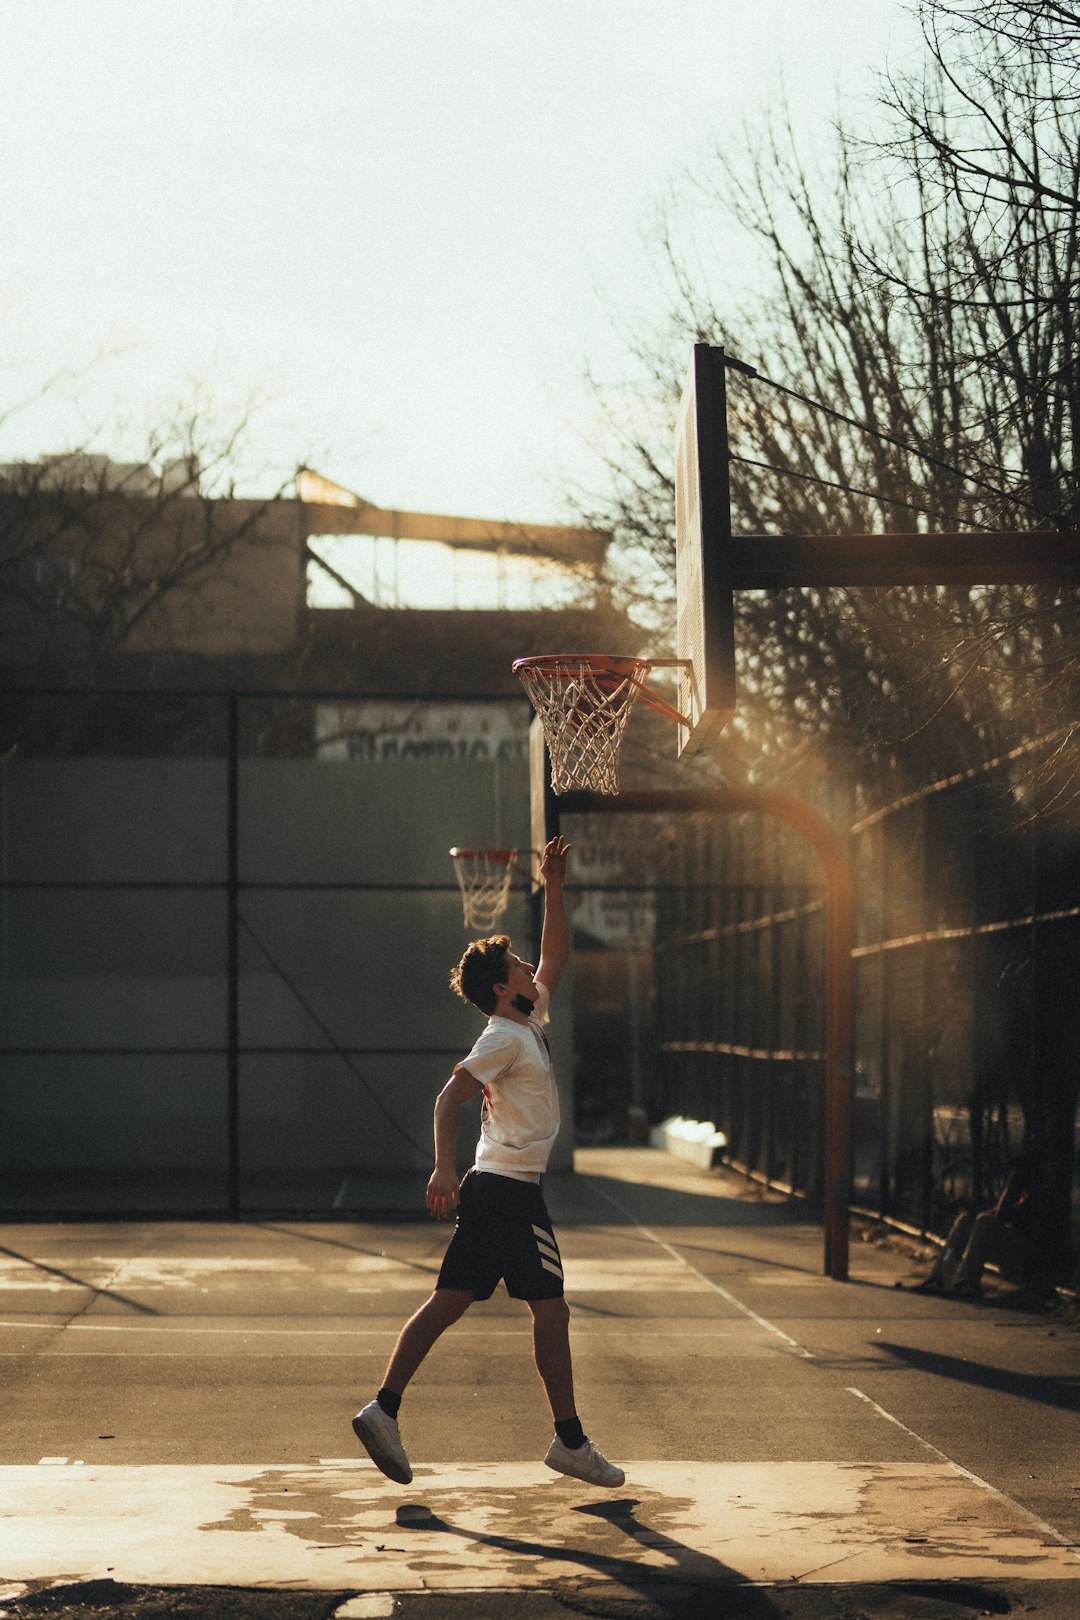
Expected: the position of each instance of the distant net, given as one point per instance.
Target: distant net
(484, 880)
(583, 701)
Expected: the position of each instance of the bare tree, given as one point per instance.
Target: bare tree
(1049, 29)
(108, 569)
(950, 340)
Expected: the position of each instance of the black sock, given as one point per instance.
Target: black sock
(389, 1402)
(571, 1433)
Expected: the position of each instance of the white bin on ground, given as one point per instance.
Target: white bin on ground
(697, 1140)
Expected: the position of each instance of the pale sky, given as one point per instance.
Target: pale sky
(403, 224)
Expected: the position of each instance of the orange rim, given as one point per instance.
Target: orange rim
(555, 667)
(505, 857)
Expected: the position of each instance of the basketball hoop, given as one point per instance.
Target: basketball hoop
(484, 880)
(583, 701)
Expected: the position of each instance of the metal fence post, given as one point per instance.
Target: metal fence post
(232, 949)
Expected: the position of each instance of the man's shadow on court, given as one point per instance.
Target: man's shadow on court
(675, 1592)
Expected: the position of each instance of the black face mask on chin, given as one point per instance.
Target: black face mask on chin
(522, 1004)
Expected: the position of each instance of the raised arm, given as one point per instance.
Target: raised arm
(555, 938)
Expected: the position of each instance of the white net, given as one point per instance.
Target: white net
(583, 704)
(484, 880)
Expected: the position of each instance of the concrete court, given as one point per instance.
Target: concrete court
(178, 1395)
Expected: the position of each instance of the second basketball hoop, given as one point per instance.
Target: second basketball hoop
(583, 701)
(484, 880)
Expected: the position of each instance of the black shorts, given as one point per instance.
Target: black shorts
(503, 1232)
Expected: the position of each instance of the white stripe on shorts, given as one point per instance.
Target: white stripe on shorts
(549, 1254)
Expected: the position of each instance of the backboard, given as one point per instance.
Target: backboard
(705, 630)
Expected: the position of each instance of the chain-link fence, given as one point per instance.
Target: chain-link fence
(222, 918)
(967, 945)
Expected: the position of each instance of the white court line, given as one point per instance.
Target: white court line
(762, 1322)
(510, 1330)
(230, 1332)
(984, 1485)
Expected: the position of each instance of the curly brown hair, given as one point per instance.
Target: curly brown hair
(482, 967)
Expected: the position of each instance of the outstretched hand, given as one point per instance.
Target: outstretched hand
(553, 860)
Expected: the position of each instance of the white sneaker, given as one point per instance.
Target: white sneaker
(382, 1439)
(587, 1463)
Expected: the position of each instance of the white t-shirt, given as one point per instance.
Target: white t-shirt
(519, 1117)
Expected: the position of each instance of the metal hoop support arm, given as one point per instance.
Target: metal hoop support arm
(653, 699)
(839, 892)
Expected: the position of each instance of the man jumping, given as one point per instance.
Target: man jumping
(503, 1230)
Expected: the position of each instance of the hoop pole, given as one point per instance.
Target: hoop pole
(839, 940)
(773, 561)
